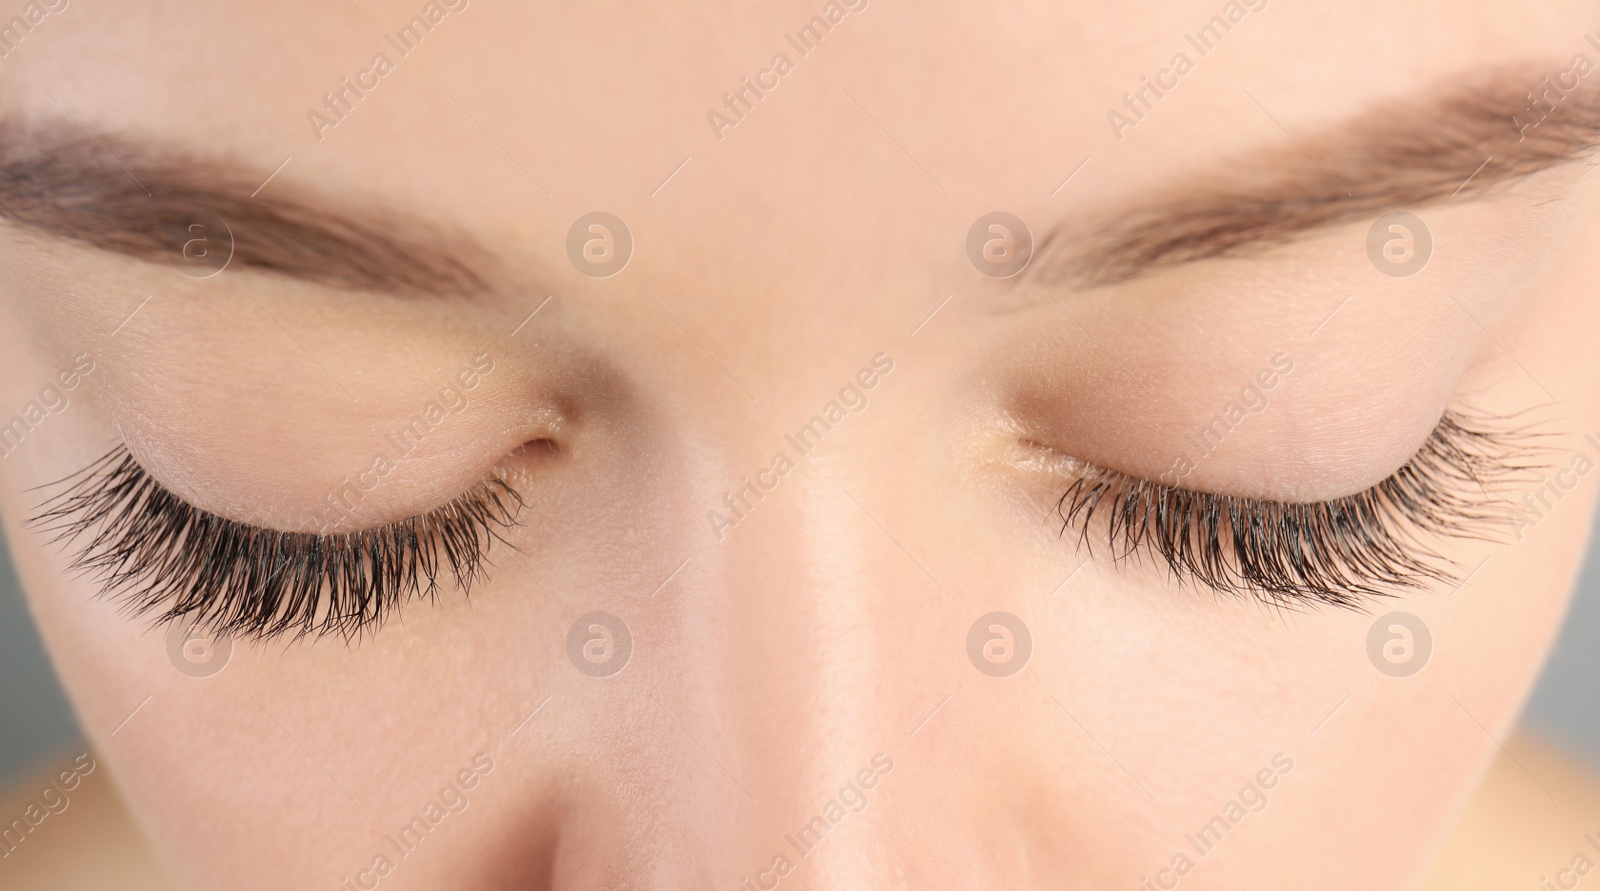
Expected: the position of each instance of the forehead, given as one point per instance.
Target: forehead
(752, 140)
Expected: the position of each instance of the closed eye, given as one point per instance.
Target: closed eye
(162, 556)
(1342, 552)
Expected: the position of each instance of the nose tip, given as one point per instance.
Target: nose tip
(834, 825)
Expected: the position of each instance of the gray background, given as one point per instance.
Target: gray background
(36, 723)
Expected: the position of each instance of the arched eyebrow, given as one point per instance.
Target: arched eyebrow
(1458, 144)
(138, 198)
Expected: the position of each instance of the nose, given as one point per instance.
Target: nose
(774, 743)
(757, 734)
(792, 702)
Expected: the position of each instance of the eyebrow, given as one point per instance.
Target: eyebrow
(139, 199)
(1462, 144)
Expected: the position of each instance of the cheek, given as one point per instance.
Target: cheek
(292, 746)
(165, 735)
(1172, 691)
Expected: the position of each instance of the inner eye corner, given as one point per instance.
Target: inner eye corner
(1033, 453)
(539, 446)
(1032, 444)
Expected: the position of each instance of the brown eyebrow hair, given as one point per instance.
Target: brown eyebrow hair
(1395, 155)
(139, 198)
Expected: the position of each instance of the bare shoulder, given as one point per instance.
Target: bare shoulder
(65, 827)
(1534, 823)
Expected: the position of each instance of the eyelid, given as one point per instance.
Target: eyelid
(1341, 552)
(161, 555)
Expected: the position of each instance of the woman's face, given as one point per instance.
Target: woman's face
(730, 299)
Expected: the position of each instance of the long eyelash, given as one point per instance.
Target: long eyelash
(1340, 553)
(160, 555)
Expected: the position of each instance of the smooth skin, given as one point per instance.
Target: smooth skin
(774, 660)
(1509, 830)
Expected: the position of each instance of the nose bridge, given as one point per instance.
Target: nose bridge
(794, 612)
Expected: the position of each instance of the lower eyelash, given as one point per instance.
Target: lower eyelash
(1340, 553)
(161, 555)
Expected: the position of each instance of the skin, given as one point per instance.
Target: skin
(829, 625)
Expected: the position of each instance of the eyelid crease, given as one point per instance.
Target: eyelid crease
(161, 555)
(1342, 553)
